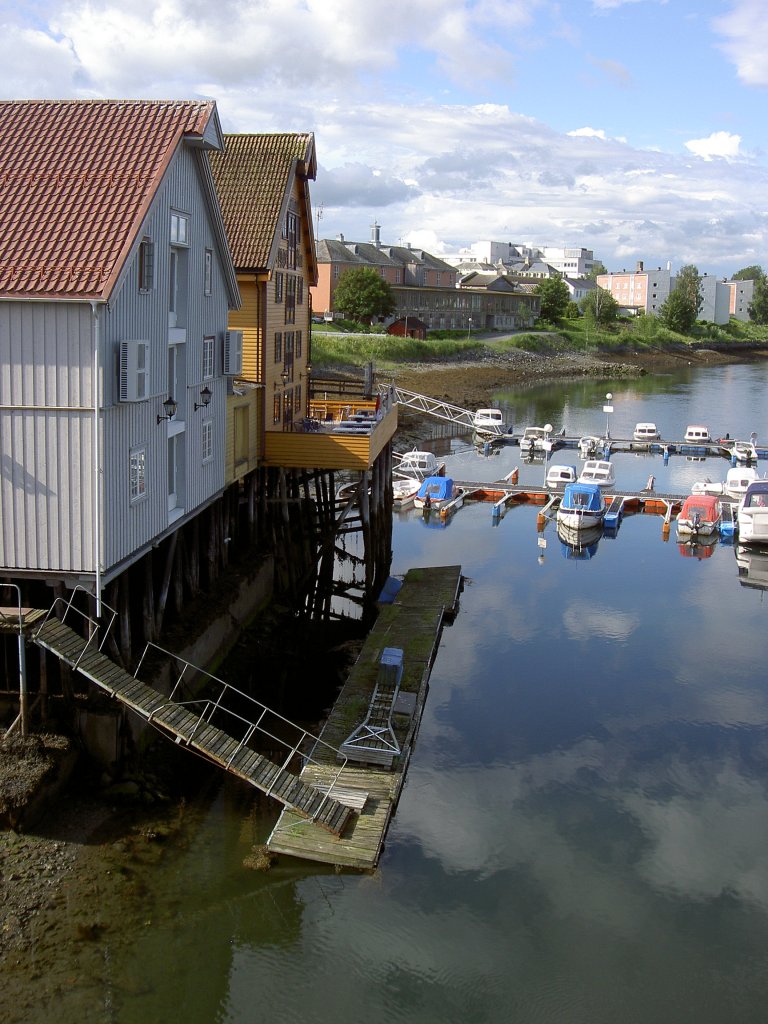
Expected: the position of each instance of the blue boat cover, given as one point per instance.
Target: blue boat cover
(585, 497)
(439, 488)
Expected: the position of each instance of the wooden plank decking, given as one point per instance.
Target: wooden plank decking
(414, 623)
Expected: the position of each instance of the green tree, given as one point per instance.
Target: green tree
(758, 307)
(362, 294)
(753, 273)
(597, 268)
(681, 310)
(554, 298)
(600, 307)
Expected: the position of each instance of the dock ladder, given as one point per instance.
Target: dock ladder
(220, 723)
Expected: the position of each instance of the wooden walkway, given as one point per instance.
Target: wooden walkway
(190, 724)
(413, 622)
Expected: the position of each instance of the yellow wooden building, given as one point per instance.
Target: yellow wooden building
(263, 185)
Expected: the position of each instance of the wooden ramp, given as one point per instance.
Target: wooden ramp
(412, 623)
(191, 723)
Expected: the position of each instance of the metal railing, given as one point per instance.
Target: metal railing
(94, 627)
(303, 743)
(431, 406)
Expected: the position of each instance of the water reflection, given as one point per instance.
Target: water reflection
(752, 565)
(579, 545)
(583, 828)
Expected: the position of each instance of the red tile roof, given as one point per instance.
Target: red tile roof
(76, 180)
(253, 175)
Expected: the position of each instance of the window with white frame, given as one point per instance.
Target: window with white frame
(179, 228)
(138, 473)
(208, 272)
(208, 357)
(207, 440)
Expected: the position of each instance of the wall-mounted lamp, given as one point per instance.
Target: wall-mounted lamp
(205, 398)
(284, 375)
(170, 405)
(309, 369)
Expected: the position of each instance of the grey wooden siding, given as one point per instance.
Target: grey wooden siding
(46, 405)
(129, 527)
(46, 430)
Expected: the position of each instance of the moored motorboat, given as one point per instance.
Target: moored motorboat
(559, 476)
(438, 491)
(744, 451)
(590, 445)
(697, 433)
(646, 432)
(536, 440)
(598, 471)
(735, 485)
(752, 515)
(581, 506)
(489, 423)
(404, 490)
(700, 515)
(419, 464)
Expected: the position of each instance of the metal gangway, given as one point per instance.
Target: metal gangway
(215, 720)
(431, 406)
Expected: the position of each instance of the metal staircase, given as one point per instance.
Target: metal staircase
(197, 721)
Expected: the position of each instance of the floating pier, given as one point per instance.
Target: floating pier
(412, 623)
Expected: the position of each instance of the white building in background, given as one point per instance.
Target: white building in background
(742, 294)
(716, 296)
(570, 262)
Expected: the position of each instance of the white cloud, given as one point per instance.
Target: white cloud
(745, 28)
(718, 144)
(587, 133)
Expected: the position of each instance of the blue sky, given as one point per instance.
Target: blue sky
(632, 127)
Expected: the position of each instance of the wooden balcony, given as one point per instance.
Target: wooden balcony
(343, 432)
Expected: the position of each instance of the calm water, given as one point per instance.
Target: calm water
(583, 835)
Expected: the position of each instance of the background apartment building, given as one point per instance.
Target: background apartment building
(568, 261)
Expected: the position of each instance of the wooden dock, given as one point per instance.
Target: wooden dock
(413, 622)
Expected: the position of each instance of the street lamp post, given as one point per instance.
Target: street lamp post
(608, 409)
(469, 332)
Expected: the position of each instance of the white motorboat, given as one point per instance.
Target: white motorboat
(646, 432)
(735, 485)
(404, 490)
(744, 451)
(696, 433)
(489, 422)
(752, 515)
(590, 445)
(559, 476)
(598, 471)
(536, 440)
(419, 464)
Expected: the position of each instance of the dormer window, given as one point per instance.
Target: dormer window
(179, 229)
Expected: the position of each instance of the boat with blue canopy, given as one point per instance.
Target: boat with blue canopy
(582, 505)
(436, 492)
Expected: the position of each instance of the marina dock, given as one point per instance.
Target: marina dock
(413, 623)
